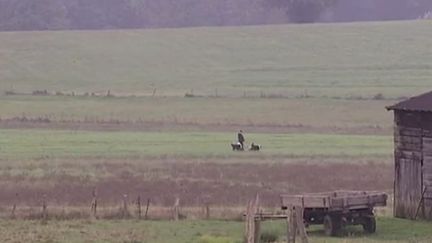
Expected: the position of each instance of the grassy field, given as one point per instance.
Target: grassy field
(389, 230)
(329, 78)
(319, 114)
(33, 144)
(333, 60)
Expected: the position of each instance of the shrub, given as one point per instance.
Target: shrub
(269, 236)
(40, 92)
(10, 92)
(378, 96)
(189, 95)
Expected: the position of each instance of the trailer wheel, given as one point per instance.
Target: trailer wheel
(369, 224)
(332, 225)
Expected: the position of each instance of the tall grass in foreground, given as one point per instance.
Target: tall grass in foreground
(389, 230)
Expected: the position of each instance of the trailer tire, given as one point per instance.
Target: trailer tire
(332, 225)
(369, 225)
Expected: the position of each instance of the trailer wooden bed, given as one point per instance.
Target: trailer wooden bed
(337, 209)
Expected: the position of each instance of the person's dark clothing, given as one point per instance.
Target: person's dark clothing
(241, 139)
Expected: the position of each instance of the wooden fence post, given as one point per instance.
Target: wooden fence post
(138, 202)
(257, 221)
(13, 216)
(147, 209)
(207, 210)
(125, 206)
(249, 224)
(299, 212)
(94, 203)
(291, 225)
(176, 209)
(252, 229)
(257, 230)
(44, 209)
(13, 211)
(295, 224)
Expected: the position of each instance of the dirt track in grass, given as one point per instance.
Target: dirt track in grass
(39, 123)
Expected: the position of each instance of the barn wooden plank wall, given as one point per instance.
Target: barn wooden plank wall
(413, 163)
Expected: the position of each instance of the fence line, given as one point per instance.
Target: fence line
(48, 210)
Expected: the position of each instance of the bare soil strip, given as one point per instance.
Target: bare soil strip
(220, 184)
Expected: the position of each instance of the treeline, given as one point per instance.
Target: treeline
(107, 14)
(378, 10)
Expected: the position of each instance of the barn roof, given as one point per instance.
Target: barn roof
(422, 102)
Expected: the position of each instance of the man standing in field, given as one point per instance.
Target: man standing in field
(241, 139)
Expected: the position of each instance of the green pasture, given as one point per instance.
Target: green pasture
(318, 113)
(320, 60)
(34, 144)
(389, 230)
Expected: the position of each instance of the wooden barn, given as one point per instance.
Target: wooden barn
(413, 157)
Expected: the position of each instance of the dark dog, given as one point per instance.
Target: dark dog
(255, 147)
(236, 147)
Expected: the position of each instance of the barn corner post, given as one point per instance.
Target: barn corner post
(413, 157)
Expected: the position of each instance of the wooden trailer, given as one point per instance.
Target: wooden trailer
(337, 209)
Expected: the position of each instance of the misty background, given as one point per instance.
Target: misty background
(115, 14)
